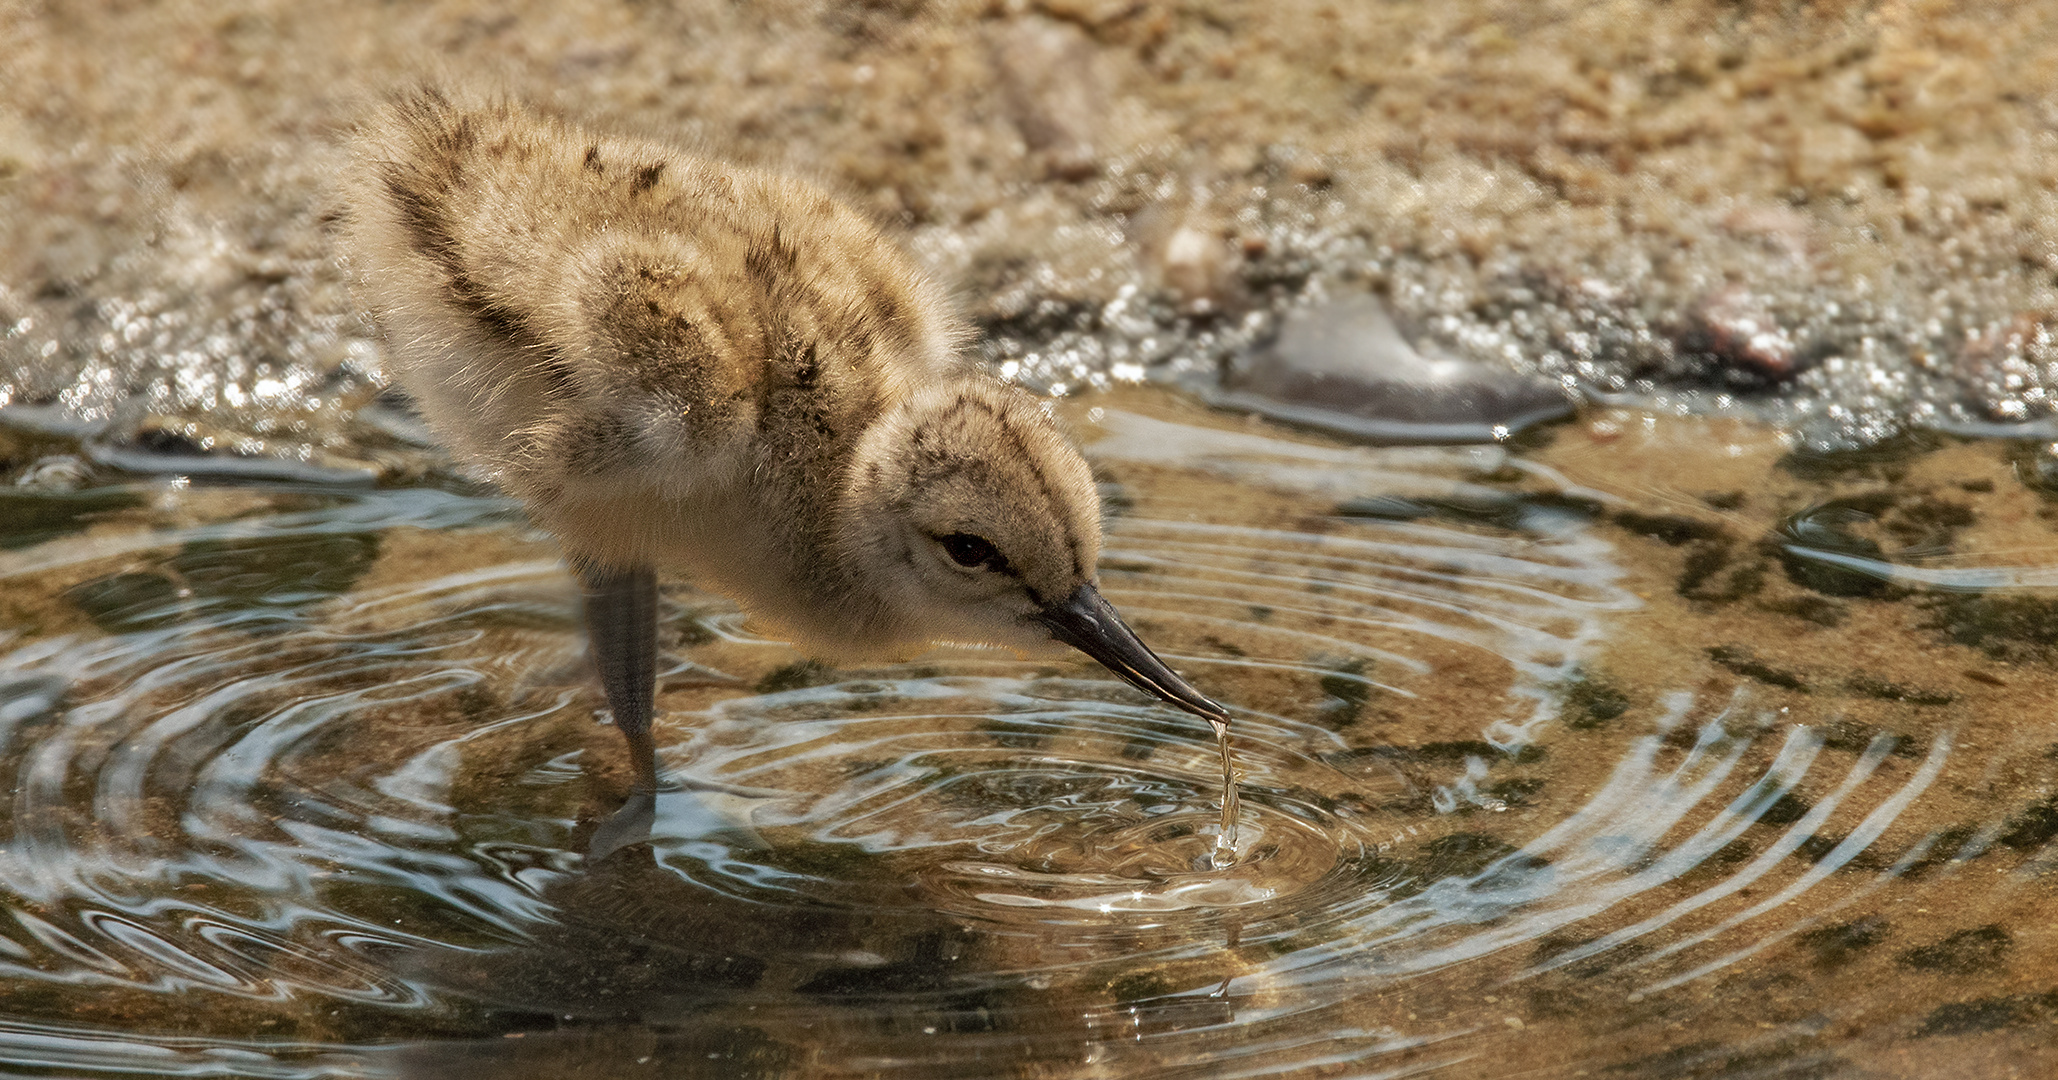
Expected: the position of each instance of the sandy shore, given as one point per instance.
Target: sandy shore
(1840, 214)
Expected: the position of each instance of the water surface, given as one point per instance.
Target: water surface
(1649, 747)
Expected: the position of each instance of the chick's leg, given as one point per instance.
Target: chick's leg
(621, 623)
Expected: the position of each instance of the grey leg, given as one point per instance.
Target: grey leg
(621, 623)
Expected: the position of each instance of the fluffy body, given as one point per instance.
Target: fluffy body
(719, 372)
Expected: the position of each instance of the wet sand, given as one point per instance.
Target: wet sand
(1837, 217)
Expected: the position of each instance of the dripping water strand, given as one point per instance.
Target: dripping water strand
(1225, 841)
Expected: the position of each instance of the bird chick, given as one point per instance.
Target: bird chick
(684, 366)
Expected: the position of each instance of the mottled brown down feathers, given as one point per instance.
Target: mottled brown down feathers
(714, 370)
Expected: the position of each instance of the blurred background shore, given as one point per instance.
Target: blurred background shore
(1836, 216)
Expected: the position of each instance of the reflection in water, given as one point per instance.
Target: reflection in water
(300, 794)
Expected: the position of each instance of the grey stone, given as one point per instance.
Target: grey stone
(1345, 367)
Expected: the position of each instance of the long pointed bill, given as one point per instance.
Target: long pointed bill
(1088, 623)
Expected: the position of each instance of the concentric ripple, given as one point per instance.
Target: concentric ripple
(308, 775)
(1037, 800)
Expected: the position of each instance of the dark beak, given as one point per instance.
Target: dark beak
(1088, 623)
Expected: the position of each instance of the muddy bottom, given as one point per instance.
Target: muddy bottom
(1643, 747)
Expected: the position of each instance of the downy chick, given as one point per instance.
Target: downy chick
(686, 366)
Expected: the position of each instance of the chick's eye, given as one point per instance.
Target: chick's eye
(967, 550)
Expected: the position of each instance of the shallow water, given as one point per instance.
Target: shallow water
(1641, 747)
